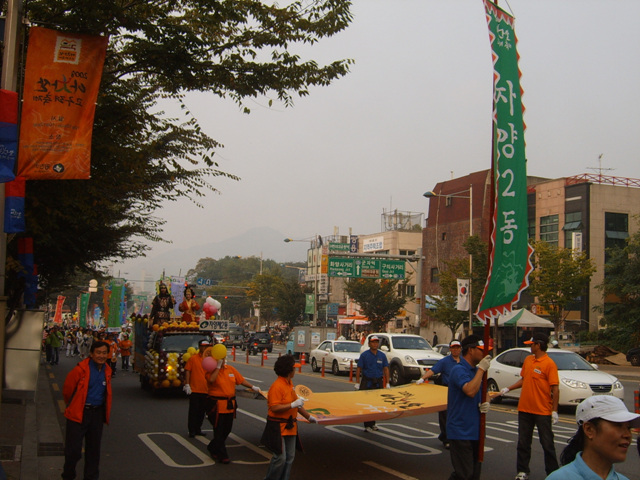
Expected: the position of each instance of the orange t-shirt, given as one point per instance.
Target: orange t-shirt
(125, 348)
(281, 392)
(538, 376)
(225, 386)
(197, 381)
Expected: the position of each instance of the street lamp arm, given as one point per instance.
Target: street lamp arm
(431, 194)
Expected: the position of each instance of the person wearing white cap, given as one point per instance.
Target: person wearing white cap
(444, 367)
(602, 439)
(374, 368)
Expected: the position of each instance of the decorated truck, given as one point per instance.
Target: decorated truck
(162, 352)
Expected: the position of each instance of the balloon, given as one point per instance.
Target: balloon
(218, 351)
(192, 350)
(217, 304)
(209, 364)
(213, 310)
(210, 301)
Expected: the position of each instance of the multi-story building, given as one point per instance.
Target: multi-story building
(586, 212)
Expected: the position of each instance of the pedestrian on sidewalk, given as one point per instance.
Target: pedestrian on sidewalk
(195, 385)
(538, 405)
(56, 338)
(87, 393)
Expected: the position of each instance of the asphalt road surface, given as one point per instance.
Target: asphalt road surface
(148, 437)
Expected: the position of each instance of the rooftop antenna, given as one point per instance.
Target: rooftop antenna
(599, 168)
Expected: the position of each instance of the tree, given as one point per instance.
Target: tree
(290, 302)
(142, 158)
(265, 290)
(560, 276)
(446, 304)
(621, 293)
(378, 299)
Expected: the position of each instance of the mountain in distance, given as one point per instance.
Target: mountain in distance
(258, 241)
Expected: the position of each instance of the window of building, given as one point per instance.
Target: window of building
(616, 230)
(572, 224)
(407, 252)
(399, 323)
(549, 229)
(444, 236)
(435, 275)
(409, 290)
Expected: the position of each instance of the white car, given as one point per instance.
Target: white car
(579, 379)
(338, 356)
(409, 356)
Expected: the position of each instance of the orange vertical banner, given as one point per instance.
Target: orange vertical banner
(62, 78)
(57, 318)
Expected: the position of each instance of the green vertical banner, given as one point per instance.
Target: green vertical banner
(310, 304)
(510, 261)
(116, 304)
(82, 314)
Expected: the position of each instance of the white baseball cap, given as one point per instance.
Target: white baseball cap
(373, 338)
(608, 408)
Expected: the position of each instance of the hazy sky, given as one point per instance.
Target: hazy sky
(415, 110)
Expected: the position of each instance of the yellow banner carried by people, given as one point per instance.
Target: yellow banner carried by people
(340, 408)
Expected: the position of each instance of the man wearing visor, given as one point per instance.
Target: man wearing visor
(538, 405)
(374, 368)
(444, 367)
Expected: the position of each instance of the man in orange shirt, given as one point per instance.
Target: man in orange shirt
(538, 405)
(222, 397)
(125, 351)
(195, 385)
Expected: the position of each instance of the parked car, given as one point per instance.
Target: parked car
(579, 379)
(338, 355)
(219, 338)
(409, 356)
(633, 356)
(259, 341)
(442, 349)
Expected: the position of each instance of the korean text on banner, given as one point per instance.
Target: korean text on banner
(57, 317)
(510, 251)
(463, 294)
(116, 304)
(62, 78)
(84, 306)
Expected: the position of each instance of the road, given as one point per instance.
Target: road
(148, 438)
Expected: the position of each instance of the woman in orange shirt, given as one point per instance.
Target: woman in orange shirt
(222, 392)
(281, 431)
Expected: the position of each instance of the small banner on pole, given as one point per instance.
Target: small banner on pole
(8, 134)
(463, 294)
(57, 318)
(510, 263)
(62, 78)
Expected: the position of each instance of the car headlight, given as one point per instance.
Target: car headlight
(409, 359)
(345, 359)
(617, 385)
(574, 383)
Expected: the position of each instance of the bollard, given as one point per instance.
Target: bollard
(247, 355)
(264, 356)
(302, 359)
(351, 371)
(636, 400)
(233, 352)
(323, 367)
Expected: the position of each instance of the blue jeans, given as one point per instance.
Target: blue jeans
(526, 423)
(280, 466)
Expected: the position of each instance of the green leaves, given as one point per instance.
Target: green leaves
(378, 299)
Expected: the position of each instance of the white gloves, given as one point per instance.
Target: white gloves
(554, 417)
(187, 389)
(388, 385)
(504, 391)
(419, 381)
(484, 407)
(356, 386)
(297, 403)
(484, 363)
(255, 389)
(312, 419)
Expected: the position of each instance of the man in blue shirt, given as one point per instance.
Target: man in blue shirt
(374, 367)
(464, 408)
(444, 367)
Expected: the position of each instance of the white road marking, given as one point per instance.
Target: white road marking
(389, 470)
(166, 459)
(243, 443)
(425, 449)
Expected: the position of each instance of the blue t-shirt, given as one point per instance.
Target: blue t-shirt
(463, 415)
(444, 366)
(578, 470)
(372, 366)
(97, 385)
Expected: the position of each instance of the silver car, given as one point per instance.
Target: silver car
(338, 355)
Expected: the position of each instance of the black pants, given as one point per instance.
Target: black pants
(125, 363)
(196, 412)
(442, 420)
(526, 422)
(221, 431)
(90, 430)
(464, 458)
(371, 384)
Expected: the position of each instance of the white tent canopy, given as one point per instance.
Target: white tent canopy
(523, 318)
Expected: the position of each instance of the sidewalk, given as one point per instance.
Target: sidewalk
(31, 440)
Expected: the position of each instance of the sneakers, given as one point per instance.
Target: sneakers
(522, 476)
(447, 445)
(372, 428)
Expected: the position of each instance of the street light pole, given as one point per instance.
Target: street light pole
(470, 197)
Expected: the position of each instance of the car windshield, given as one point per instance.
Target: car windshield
(180, 343)
(410, 343)
(346, 347)
(570, 361)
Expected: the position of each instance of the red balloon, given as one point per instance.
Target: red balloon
(209, 364)
(213, 310)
